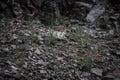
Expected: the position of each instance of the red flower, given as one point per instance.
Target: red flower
(61, 30)
(77, 50)
(33, 14)
(46, 30)
(97, 56)
(35, 28)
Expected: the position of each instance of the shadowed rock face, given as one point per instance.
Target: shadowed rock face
(115, 4)
(15, 8)
(114, 1)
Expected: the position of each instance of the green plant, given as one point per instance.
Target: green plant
(82, 40)
(77, 37)
(30, 34)
(30, 37)
(88, 62)
(53, 27)
(51, 38)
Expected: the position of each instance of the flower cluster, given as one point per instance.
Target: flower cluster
(86, 54)
(33, 14)
(61, 30)
(35, 28)
(46, 30)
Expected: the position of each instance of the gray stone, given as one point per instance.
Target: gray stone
(25, 65)
(59, 58)
(97, 71)
(26, 34)
(83, 79)
(83, 4)
(85, 74)
(13, 67)
(13, 46)
(43, 71)
(96, 11)
(118, 52)
(108, 77)
(74, 21)
(111, 32)
(31, 49)
(19, 41)
(108, 54)
(14, 36)
(41, 62)
(40, 38)
(6, 49)
(92, 33)
(37, 51)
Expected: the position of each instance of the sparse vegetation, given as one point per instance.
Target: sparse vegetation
(59, 40)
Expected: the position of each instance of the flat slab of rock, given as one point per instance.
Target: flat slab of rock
(97, 71)
(96, 11)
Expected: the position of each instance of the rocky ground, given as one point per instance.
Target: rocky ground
(34, 50)
(27, 54)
